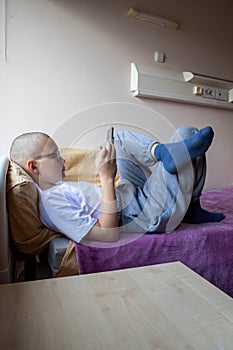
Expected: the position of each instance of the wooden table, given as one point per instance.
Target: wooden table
(163, 307)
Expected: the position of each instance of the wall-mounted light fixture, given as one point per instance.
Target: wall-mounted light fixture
(148, 17)
(156, 82)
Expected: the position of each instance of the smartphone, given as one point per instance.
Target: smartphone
(110, 135)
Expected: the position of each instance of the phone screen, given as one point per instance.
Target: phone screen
(110, 135)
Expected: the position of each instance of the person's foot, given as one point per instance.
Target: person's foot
(175, 156)
(197, 215)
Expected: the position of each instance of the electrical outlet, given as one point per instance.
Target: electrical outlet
(209, 92)
(221, 94)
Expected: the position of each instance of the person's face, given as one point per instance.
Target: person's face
(50, 163)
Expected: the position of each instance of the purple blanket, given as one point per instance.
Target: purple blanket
(206, 248)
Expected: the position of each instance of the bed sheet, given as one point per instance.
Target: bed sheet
(206, 248)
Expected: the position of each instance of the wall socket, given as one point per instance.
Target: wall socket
(221, 94)
(215, 93)
(208, 92)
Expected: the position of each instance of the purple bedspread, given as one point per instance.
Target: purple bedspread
(206, 248)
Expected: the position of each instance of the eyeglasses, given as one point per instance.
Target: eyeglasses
(55, 155)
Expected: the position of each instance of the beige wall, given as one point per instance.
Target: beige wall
(66, 56)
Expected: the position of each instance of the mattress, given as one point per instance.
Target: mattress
(206, 248)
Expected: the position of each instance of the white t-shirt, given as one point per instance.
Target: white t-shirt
(71, 208)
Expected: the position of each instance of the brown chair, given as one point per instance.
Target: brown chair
(8, 255)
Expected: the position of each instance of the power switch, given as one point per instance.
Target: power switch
(197, 90)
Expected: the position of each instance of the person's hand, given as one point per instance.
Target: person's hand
(106, 162)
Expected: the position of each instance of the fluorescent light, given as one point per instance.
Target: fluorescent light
(153, 18)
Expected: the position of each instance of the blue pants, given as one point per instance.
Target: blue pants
(154, 200)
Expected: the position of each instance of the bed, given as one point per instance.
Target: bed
(206, 248)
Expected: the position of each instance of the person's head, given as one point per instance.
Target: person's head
(38, 155)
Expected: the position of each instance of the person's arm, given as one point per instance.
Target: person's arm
(106, 228)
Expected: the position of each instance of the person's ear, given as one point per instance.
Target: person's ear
(32, 166)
